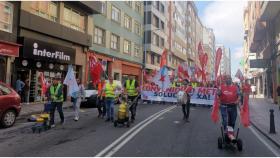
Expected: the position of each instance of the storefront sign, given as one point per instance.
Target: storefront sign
(199, 95)
(9, 49)
(46, 51)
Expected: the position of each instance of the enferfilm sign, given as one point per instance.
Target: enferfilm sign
(36, 49)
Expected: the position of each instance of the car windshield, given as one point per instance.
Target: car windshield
(4, 90)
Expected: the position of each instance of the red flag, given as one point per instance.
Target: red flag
(239, 75)
(183, 72)
(43, 84)
(200, 54)
(215, 110)
(217, 61)
(244, 113)
(163, 60)
(95, 69)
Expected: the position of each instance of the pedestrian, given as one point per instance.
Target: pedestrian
(19, 88)
(229, 100)
(56, 98)
(109, 90)
(253, 90)
(77, 99)
(131, 88)
(101, 106)
(278, 94)
(26, 90)
(187, 105)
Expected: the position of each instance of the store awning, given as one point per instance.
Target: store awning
(9, 49)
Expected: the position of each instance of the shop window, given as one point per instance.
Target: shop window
(158, 59)
(127, 47)
(99, 36)
(6, 16)
(73, 19)
(45, 9)
(116, 14)
(115, 41)
(127, 22)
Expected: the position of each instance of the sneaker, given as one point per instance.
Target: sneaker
(76, 118)
(62, 122)
(52, 126)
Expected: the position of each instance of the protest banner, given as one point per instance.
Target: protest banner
(203, 95)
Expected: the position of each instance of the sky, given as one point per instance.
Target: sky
(226, 19)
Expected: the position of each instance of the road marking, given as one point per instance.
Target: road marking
(130, 131)
(118, 147)
(161, 118)
(176, 122)
(264, 142)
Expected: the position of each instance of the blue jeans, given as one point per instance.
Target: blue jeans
(110, 108)
(229, 114)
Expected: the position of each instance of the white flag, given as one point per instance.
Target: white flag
(71, 82)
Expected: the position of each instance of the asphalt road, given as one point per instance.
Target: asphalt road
(158, 131)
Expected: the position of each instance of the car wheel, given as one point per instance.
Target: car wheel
(8, 119)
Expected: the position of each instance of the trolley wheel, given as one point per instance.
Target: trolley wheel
(115, 123)
(239, 145)
(127, 124)
(220, 142)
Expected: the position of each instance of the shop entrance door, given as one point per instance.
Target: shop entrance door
(24, 75)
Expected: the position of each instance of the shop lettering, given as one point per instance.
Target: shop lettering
(45, 53)
(164, 94)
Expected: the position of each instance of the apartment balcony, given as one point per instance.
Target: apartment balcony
(269, 9)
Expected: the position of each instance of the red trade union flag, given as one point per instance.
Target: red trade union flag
(239, 75)
(217, 61)
(215, 110)
(183, 71)
(163, 60)
(95, 69)
(43, 83)
(244, 113)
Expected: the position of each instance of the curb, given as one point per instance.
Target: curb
(23, 116)
(265, 134)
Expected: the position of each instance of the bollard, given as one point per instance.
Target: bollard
(272, 124)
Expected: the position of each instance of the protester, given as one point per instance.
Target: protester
(56, 98)
(109, 90)
(253, 87)
(26, 90)
(229, 99)
(101, 106)
(187, 105)
(78, 97)
(131, 88)
(19, 88)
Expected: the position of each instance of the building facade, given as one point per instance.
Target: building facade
(118, 38)
(53, 35)
(9, 49)
(225, 67)
(209, 48)
(262, 46)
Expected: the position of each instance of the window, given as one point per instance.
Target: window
(116, 76)
(162, 25)
(115, 41)
(156, 21)
(6, 16)
(158, 59)
(99, 36)
(162, 42)
(161, 8)
(152, 59)
(45, 9)
(103, 8)
(138, 7)
(116, 14)
(127, 22)
(73, 19)
(4, 90)
(129, 3)
(137, 50)
(137, 28)
(127, 47)
(156, 39)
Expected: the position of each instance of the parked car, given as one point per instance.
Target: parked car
(9, 105)
(91, 95)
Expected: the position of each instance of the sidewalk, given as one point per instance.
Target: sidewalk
(260, 118)
(34, 108)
